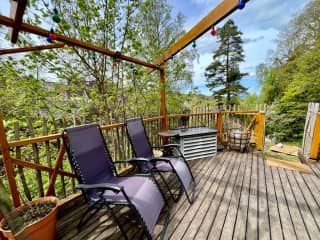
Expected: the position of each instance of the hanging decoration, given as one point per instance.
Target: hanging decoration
(55, 16)
(52, 35)
(194, 44)
(241, 4)
(49, 40)
(93, 55)
(116, 59)
(171, 57)
(213, 31)
(134, 70)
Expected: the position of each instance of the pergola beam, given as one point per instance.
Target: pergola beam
(16, 13)
(224, 9)
(74, 42)
(30, 49)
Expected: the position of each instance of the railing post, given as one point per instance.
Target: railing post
(259, 130)
(51, 190)
(163, 109)
(219, 126)
(4, 147)
(315, 139)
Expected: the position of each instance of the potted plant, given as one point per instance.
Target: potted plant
(34, 220)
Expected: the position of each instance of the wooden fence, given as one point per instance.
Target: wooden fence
(37, 166)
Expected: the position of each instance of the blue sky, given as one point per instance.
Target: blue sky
(260, 22)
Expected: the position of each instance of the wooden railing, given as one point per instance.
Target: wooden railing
(23, 158)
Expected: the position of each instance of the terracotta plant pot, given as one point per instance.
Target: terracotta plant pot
(45, 228)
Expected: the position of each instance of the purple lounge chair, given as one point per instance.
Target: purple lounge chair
(169, 163)
(102, 187)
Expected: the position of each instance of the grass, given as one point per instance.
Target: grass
(280, 156)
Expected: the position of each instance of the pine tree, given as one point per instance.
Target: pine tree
(223, 74)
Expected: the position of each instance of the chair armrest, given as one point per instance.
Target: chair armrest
(101, 186)
(160, 159)
(132, 161)
(173, 145)
(170, 145)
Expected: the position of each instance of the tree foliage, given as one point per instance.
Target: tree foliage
(291, 80)
(91, 84)
(223, 74)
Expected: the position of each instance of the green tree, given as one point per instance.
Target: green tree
(291, 79)
(223, 74)
(88, 83)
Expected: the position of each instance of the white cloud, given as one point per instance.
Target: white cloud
(260, 22)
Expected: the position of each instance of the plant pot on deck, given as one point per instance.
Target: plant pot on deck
(44, 228)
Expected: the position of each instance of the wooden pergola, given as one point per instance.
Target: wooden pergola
(224, 9)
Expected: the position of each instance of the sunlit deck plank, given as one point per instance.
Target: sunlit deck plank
(230, 219)
(218, 225)
(264, 232)
(216, 198)
(291, 199)
(307, 206)
(273, 207)
(241, 216)
(177, 228)
(286, 219)
(252, 218)
(238, 197)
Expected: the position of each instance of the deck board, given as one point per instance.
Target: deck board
(241, 216)
(275, 223)
(252, 219)
(263, 208)
(177, 228)
(238, 197)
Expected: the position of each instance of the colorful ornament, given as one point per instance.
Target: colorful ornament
(241, 4)
(49, 40)
(114, 64)
(194, 44)
(213, 31)
(55, 16)
(52, 35)
(94, 56)
(171, 57)
(131, 66)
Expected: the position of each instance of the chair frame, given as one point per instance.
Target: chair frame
(167, 160)
(98, 204)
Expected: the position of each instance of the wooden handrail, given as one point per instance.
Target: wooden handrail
(40, 167)
(25, 27)
(57, 168)
(31, 48)
(24, 142)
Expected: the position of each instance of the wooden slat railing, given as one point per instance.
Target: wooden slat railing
(117, 141)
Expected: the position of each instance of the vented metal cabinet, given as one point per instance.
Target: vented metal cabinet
(197, 142)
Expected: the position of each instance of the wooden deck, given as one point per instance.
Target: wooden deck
(238, 197)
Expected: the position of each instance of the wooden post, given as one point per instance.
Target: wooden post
(309, 128)
(219, 126)
(59, 160)
(4, 147)
(259, 130)
(316, 139)
(163, 109)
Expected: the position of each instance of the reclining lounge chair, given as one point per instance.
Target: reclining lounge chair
(176, 163)
(102, 187)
